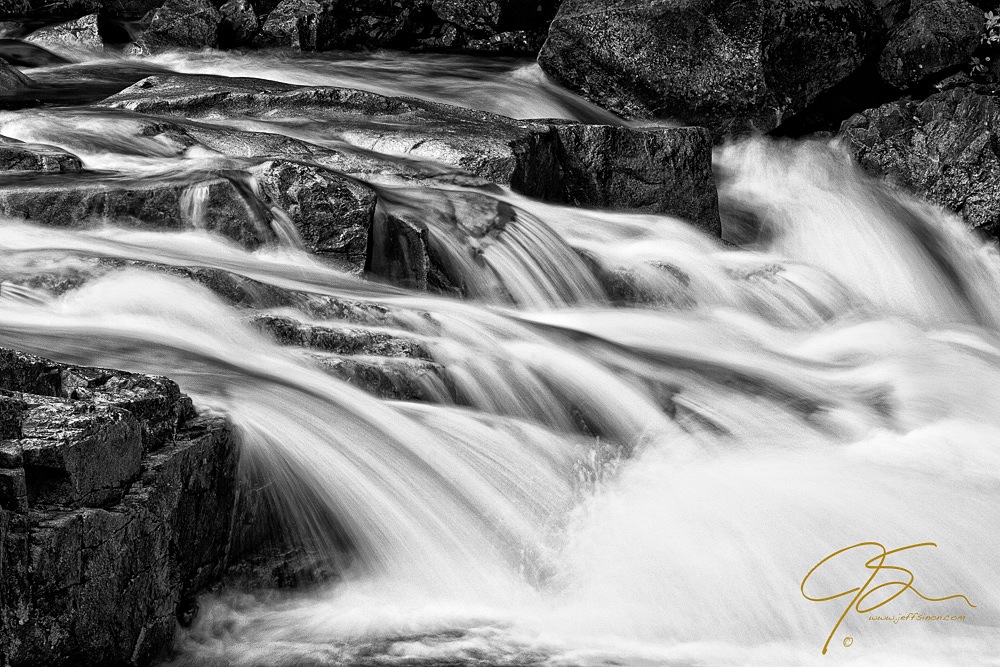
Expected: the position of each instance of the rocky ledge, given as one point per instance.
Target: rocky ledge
(118, 503)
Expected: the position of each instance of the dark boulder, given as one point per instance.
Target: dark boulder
(239, 23)
(295, 24)
(732, 66)
(331, 213)
(474, 15)
(654, 170)
(937, 35)
(181, 23)
(945, 148)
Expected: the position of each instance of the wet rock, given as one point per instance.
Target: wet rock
(100, 539)
(211, 202)
(392, 379)
(11, 78)
(733, 67)
(664, 170)
(295, 24)
(181, 23)
(17, 156)
(945, 148)
(79, 34)
(937, 35)
(331, 213)
(239, 23)
(526, 155)
(340, 340)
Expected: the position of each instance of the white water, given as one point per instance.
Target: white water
(833, 385)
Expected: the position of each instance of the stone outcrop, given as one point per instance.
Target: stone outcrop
(79, 34)
(945, 148)
(12, 80)
(181, 23)
(19, 156)
(117, 504)
(733, 67)
(937, 35)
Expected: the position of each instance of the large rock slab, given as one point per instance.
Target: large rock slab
(78, 35)
(211, 202)
(937, 35)
(945, 148)
(734, 67)
(663, 170)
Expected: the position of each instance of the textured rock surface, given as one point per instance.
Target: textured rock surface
(666, 171)
(81, 33)
(730, 66)
(937, 35)
(181, 23)
(11, 78)
(17, 156)
(946, 148)
(117, 505)
(331, 213)
(239, 23)
(213, 203)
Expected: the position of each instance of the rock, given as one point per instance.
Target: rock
(664, 170)
(48, 9)
(937, 35)
(331, 213)
(214, 202)
(239, 24)
(11, 79)
(945, 148)
(100, 541)
(474, 15)
(80, 34)
(181, 23)
(295, 24)
(391, 378)
(527, 155)
(17, 156)
(511, 42)
(343, 340)
(734, 67)
(26, 54)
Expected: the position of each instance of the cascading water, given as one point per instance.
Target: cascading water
(609, 483)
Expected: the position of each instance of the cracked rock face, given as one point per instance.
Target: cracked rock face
(945, 148)
(117, 504)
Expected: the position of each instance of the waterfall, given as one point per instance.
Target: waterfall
(640, 479)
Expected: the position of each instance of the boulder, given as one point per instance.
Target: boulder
(653, 170)
(12, 81)
(295, 24)
(17, 156)
(734, 67)
(331, 213)
(48, 9)
(239, 23)
(181, 23)
(79, 34)
(104, 533)
(937, 35)
(945, 148)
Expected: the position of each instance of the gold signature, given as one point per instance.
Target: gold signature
(877, 565)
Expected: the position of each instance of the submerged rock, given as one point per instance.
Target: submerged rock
(733, 67)
(945, 148)
(937, 35)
